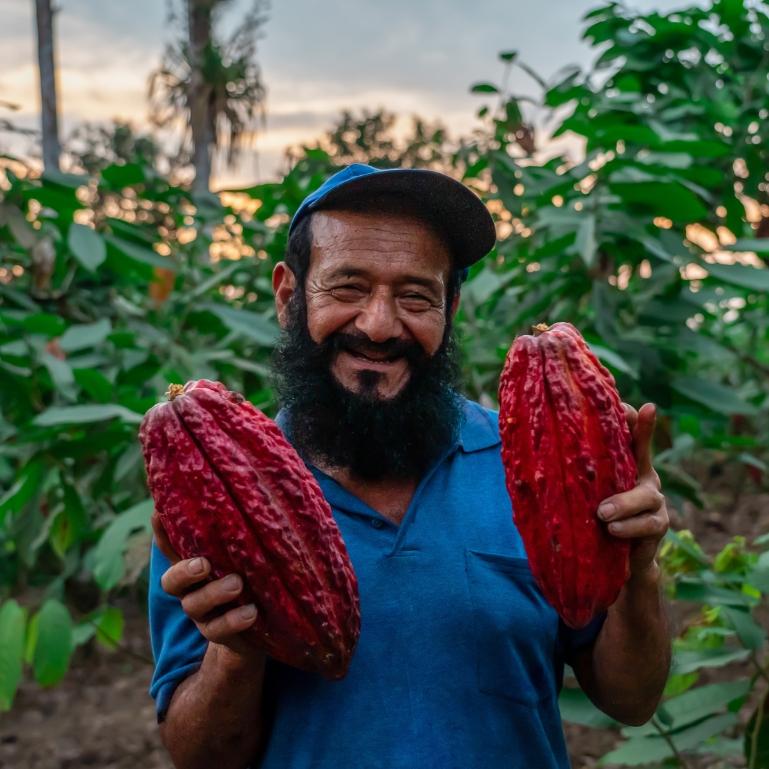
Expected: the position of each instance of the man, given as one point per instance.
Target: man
(460, 659)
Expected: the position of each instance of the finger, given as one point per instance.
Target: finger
(631, 415)
(640, 499)
(183, 575)
(161, 539)
(642, 438)
(198, 604)
(645, 526)
(221, 629)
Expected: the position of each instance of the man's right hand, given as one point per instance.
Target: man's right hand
(204, 600)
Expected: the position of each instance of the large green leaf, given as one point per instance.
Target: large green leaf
(54, 642)
(248, 324)
(578, 709)
(743, 275)
(689, 661)
(87, 246)
(108, 558)
(140, 254)
(12, 629)
(64, 415)
(85, 335)
(24, 488)
(716, 397)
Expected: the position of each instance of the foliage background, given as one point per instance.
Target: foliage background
(115, 281)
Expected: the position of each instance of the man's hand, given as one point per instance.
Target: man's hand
(204, 601)
(639, 514)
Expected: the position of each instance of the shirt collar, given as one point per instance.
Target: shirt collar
(479, 429)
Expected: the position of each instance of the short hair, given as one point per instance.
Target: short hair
(300, 242)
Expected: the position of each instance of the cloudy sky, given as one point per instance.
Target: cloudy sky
(411, 56)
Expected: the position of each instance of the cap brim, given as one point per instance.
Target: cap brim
(458, 210)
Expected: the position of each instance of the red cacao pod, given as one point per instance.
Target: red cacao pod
(566, 447)
(228, 486)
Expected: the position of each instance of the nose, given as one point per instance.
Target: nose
(378, 319)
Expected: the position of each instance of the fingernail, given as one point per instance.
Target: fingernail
(232, 582)
(606, 511)
(196, 566)
(247, 612)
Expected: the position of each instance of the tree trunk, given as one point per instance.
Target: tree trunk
(48, 107)
(199, 24)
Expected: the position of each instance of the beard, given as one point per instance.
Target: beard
(372, 437)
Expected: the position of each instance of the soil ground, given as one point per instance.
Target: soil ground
(102, 716)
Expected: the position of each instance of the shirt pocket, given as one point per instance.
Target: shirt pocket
(515, 629)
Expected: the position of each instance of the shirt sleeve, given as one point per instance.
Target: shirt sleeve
(177, 645)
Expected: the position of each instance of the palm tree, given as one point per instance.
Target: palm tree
(213, 86)
(48, 108)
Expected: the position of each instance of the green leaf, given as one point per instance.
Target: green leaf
(718, 398)
(140, 254)
(637, 751)
(87, 246)
(108, 556)
(248, 324)
(578, 709)
(750, 633)
(54, 643)
(44, 323)
(611, 358)
(743, 275)
(94, 383)
(586, 243)
(484, 88)
(689, 661)
(109, 627)
(60, 371)
(85, 335)
(756, 245)
(508, 56)
(27, 483)
(704, 701)
(64, 415)
(215, 280)
(12, 629)
(123, 174)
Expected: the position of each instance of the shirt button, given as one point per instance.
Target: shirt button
(377, 523)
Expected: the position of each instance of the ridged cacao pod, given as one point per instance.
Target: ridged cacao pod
(566, 447)
(228, 486)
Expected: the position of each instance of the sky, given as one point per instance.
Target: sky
(410, 56)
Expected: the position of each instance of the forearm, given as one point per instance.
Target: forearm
(215, 716)
(631, 657)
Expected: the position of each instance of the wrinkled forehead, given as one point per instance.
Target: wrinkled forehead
(378, 240)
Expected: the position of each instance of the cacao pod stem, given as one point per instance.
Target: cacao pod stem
(174, 390)
(539, 328)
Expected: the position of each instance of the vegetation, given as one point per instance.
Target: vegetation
(630, 199)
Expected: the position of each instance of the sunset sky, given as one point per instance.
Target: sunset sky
(410, 56)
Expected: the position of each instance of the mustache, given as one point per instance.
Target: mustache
(389, 350)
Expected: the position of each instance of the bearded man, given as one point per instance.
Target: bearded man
(460, 659)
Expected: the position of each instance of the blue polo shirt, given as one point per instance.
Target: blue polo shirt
(460, 658)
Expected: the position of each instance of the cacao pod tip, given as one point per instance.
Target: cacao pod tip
(539, 328)
(174, 390)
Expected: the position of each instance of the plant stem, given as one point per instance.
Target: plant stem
(665, 736)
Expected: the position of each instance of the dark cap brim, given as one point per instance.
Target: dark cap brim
(459, 212)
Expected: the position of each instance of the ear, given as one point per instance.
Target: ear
(283, 285)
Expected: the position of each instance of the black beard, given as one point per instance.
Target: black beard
(374, 438)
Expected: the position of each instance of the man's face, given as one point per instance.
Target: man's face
(377, 281)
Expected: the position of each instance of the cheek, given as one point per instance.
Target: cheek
(428, 331)
(325, 317)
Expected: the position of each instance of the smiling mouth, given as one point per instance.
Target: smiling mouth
(373, 358)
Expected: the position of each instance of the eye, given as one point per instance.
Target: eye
(348, 292)
(416, 302)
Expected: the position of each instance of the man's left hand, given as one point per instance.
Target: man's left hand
(639, 514)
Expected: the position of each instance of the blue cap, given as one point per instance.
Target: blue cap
(458, 211)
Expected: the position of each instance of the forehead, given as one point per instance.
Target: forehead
(379, 242)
